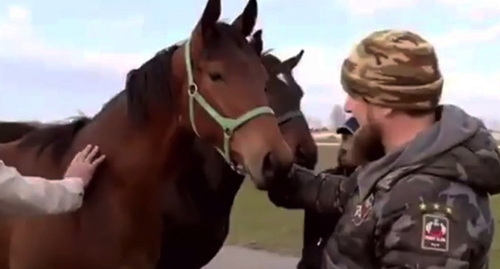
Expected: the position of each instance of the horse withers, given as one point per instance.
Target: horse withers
(213, 86)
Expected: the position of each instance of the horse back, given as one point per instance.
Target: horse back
(11, 131)
(55, 241)
(21, 238)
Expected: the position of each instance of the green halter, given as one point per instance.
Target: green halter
(228, 125)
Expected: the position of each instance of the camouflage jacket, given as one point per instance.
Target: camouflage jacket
(423, 206)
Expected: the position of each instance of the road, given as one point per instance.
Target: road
(237, 257)
(241, 258)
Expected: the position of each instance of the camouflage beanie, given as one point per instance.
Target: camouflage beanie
(396, 69)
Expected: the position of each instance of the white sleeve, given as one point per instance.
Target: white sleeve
(31, 196)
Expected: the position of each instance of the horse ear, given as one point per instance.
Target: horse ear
(246, 20)
(292, 62)
(256, 42)
(206, 26)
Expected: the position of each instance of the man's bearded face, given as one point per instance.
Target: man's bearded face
(367, 141)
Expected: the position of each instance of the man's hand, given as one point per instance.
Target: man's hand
(284, 192)
(84, 164)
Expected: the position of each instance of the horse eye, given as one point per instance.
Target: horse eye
(215, 76)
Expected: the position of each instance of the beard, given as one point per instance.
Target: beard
(367, 144)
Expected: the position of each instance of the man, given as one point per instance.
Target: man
(319, 227)
(345, 165)
(425, 203)
(31, 196)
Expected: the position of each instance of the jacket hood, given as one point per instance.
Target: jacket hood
(458, 147)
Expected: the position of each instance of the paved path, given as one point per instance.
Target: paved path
(232, 257)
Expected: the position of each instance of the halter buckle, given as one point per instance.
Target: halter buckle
(192, 89)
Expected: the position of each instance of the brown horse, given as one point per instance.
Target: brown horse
(198, 205)
(144, 132)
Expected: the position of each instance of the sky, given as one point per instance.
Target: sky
(58, 57)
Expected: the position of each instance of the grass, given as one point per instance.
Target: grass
(257, 224)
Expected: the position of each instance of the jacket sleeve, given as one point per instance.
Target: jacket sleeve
(322, 193)
(427, 222)
(31, 196)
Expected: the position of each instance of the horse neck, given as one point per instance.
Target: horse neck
(208, 183)
(127, 191)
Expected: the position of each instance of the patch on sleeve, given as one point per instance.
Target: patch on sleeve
(435, 232)
(363, 210)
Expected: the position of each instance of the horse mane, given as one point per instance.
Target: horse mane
(59, 136)
(151, 82)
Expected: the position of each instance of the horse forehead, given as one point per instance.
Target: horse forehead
(289, 81)
(246, 63)
(284, 78)
(270, 64)
(234, 57)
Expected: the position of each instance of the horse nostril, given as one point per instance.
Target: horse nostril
(300, 159)
(272, 168)
(267, 166)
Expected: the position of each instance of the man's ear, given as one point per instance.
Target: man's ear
(387, 112)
